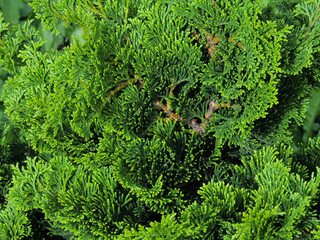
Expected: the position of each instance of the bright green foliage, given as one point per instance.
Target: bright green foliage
(222, 204)
(243, 75)
(135, 149)
(14, 224)
(13, 146)
(263, 201)
(168, 228)
(91, 203)
(282, 202)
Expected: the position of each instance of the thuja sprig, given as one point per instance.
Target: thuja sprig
(3, 28)
(66, 19)
(312, 21)
(126, 12)
(56, 12)
(92, 8)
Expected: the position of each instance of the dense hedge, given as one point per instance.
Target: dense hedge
(165, 120)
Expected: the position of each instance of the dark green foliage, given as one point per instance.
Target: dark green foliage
(166, 120)
(311, 125)
(307, 158)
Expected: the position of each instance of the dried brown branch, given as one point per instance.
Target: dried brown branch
(198, 127)
(212, 42)
(167, 110)
(213, 106)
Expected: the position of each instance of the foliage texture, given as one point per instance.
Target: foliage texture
(166, 120)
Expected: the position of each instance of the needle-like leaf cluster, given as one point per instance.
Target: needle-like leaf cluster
(167, 120)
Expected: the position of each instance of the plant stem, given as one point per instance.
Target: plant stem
(95, 10)
(126, 13)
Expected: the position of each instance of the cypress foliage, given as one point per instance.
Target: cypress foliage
(167, 120)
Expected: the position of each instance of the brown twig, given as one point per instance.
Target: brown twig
(198, 127)
(212, 42)
(173, 116)
(213, 106)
